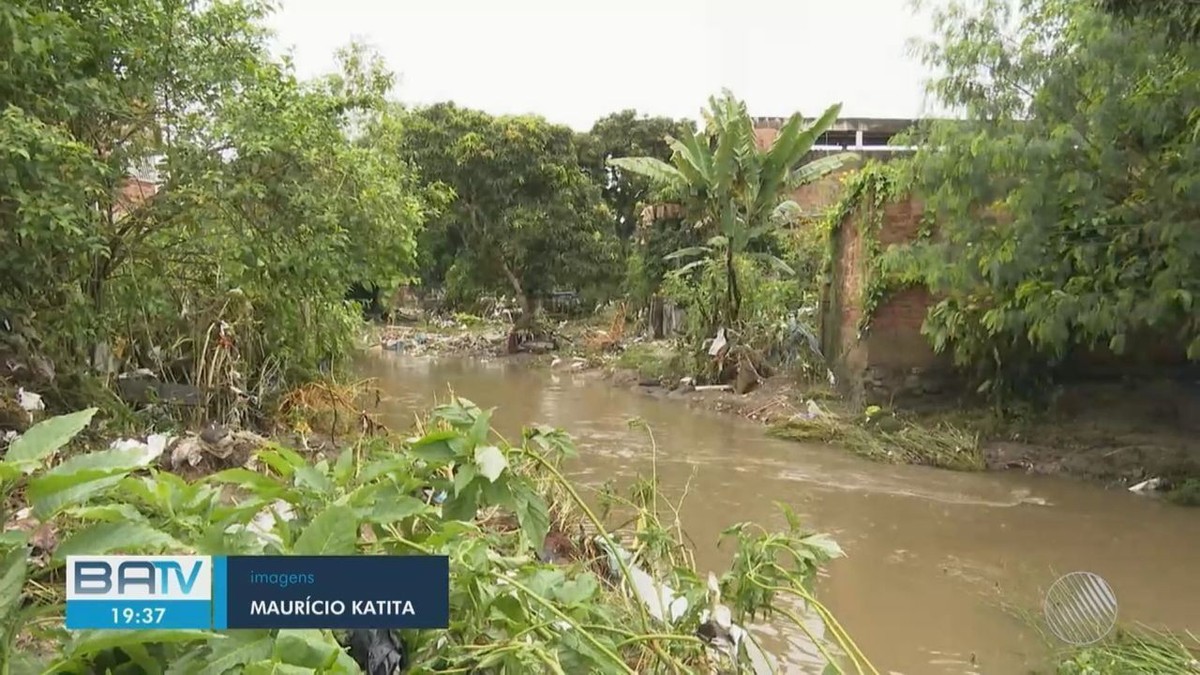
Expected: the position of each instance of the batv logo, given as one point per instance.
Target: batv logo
(132, 577)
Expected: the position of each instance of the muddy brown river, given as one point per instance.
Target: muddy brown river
(936, 562)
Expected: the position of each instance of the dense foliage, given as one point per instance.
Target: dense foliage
(511, 610)
(626, 134)
(525, 219)
(735, 197)
(1066, 202)
(733, 191)
(232, 275)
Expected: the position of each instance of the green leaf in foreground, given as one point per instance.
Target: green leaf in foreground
(49, 494)
(92, 641)
(236, 649)
(333, 532)
(46, 437)
(127, 537)
(12, 578)
(491, 461)
(532, 515)
(312, 649)
(275, 668)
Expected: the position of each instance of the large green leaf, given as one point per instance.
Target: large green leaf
(103, 462)
(658, 171)
(436, 447)
(532, 515)
(687, 252)
(333, 532)
(50, 494)
(253, 480)
(313, 649)
(819, 168)
(12, 580)
(127, 537)
(45, 438)
(275, 668)
(108, 513)
(236, 649)
(91, 641)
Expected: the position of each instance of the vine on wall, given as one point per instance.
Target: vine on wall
(866, 194)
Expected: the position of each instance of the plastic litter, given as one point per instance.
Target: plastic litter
(377, 652)
(660, 600)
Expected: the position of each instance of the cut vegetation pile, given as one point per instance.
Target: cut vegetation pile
(887, 438)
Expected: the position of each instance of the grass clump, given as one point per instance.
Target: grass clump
(1187, 493)
(884, 437)
(651, 360)
(1141, 653)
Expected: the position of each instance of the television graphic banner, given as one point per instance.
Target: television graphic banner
(126, 592)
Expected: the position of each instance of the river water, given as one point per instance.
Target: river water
(936, 561)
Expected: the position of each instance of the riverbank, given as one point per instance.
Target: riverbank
(1096, 432)
(517, 532)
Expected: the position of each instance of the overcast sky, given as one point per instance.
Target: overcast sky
(574, 61)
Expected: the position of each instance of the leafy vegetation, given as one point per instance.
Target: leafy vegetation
(887, 437)
(1136, 653)
(1066, 201)
(507, 506)
(735, 192)
(625, 134)
(214, 279)
(525, 218)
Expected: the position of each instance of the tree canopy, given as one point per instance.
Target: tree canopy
(627, 134)
(1067, 202)
(265, 208)
(525, 217)
(732, 190)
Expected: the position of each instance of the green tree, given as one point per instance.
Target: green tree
(626, 134)
(232, 274)
(1180, 18)
(525, 217)
(731, 189)
(1067, 200)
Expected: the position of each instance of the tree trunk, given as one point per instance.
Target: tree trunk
(657, 330)
(527, 308)
(734, 295)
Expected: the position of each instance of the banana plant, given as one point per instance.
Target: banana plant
(733, 189)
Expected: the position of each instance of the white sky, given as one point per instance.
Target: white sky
(574, 61)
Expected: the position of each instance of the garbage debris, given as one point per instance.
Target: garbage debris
(376, 651)
(153, 446)
(724, 637)
(225, 449)
(29, 401)
(409, 341)
(1149, 485)
(263, 523)
(719, 344)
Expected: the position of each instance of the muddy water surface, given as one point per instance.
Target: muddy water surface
(933, 557)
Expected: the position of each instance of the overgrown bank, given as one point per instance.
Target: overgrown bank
(536, 574)
(1092, 434)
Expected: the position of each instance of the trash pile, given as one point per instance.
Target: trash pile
(413, 342)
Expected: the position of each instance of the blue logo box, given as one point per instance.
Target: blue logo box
(219, 592)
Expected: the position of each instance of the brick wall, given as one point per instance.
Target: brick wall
(893, 359)
(132, 194)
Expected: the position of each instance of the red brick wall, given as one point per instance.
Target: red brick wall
(133, 193)
(893, 356)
